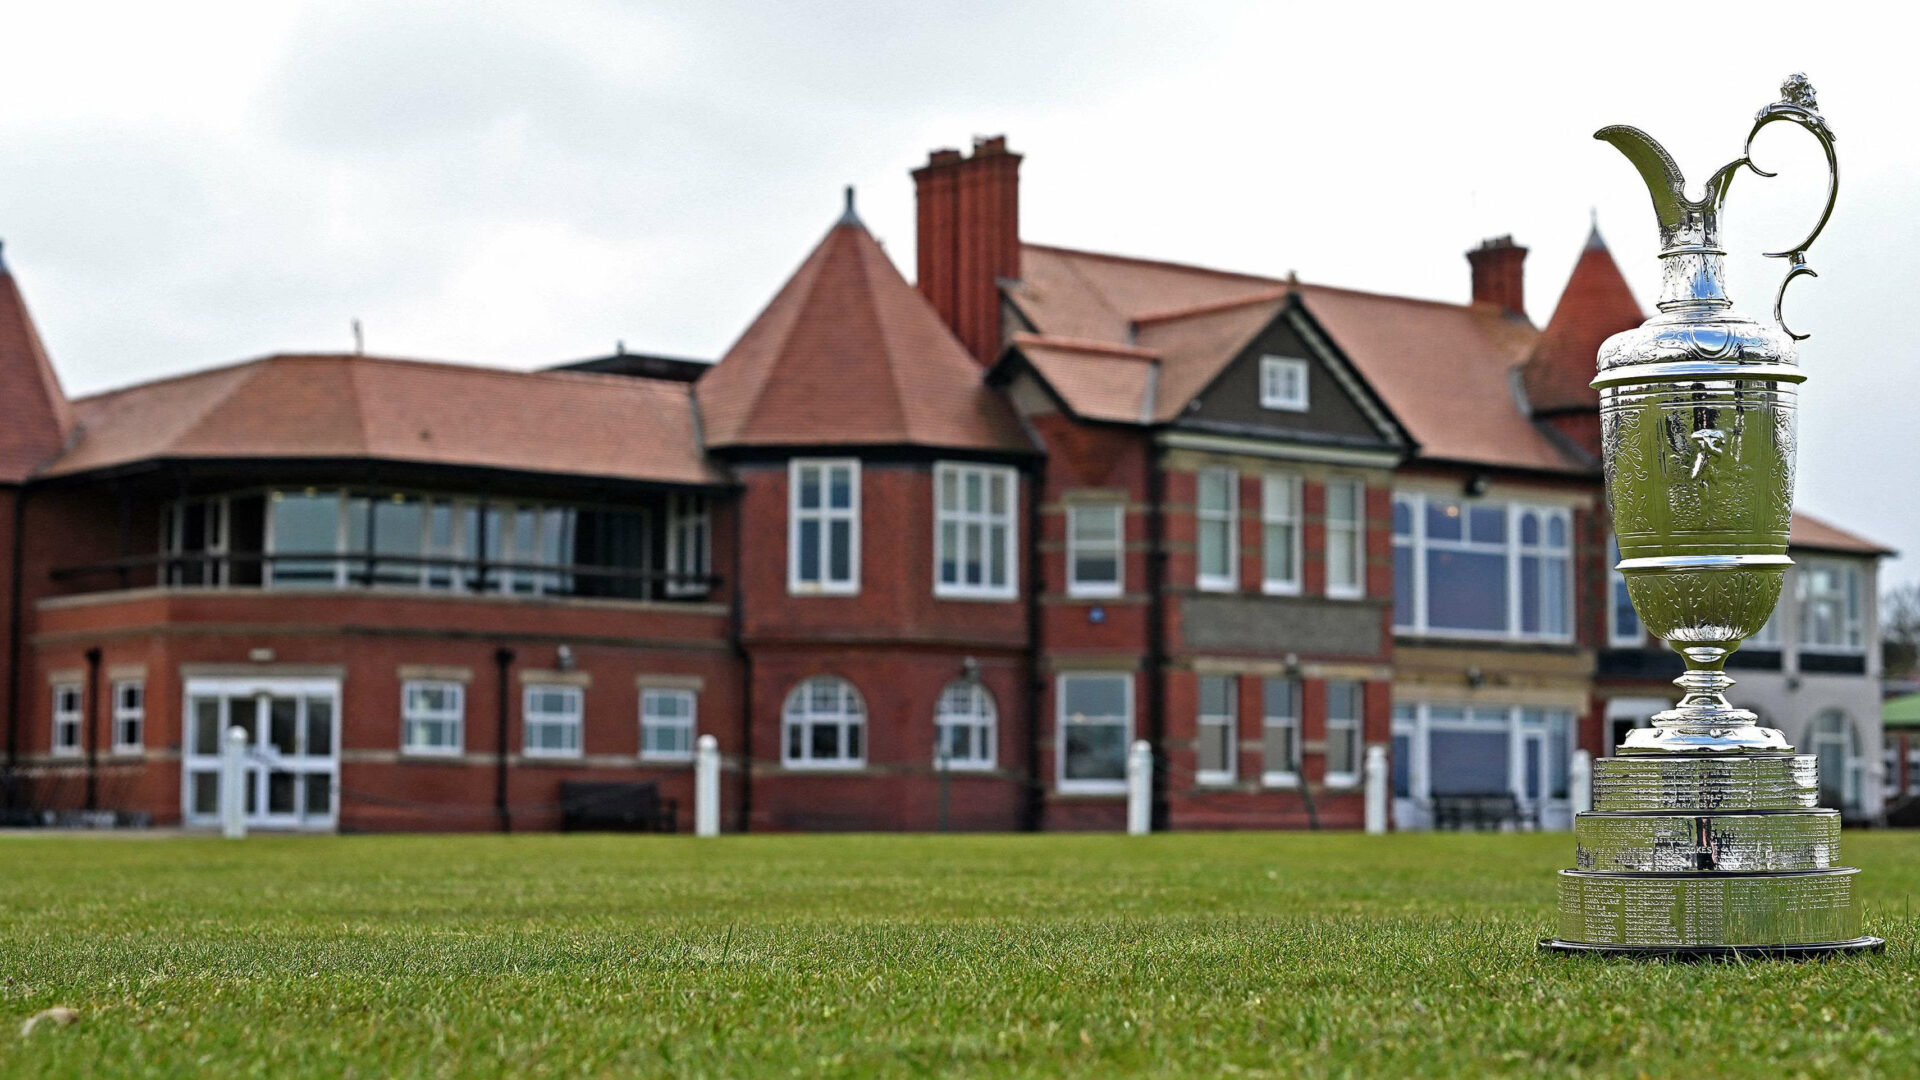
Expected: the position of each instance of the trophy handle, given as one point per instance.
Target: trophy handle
(1797, 106)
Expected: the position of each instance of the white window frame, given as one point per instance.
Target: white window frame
(1228, 518)
(1418, 543)
(985, 521)
(217, 519)
(69, 739)
(825, 515)
(982, 716)
(1083, 786)
(1355, 535)
(455, 715)
(689, 544)
(1852, 625)
(1290, 776)
(850, 717)
(129, 718)
(1076, 544)
(1350, 776)
(650, 721)
(1279, 511)
(576, 722)
(1276, 372)
(1416, 719)
(1617, 592)
(1229, 720)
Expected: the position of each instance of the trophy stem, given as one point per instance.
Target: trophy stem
(1705, 722)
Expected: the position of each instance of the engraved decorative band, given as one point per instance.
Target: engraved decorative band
(1697, 371)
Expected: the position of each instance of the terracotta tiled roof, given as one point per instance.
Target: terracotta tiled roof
(1595, 306)
(335, 406)
(1098, 381)
(1445, 370)
(1811, 532)
(35, 417)
(848, 353)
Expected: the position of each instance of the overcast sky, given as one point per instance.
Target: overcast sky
(518, 184)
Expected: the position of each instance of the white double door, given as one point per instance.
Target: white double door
(292, 750)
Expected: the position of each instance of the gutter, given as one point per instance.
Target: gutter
(736, 631)
(1033, 803)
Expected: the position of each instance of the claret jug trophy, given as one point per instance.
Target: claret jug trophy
(1705, 837)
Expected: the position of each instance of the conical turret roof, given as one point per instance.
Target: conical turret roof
(848, 354)
(35, 418)
(1595, 306)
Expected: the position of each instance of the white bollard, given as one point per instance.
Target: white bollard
(233, 784)
(706, 786)
(1376, 771)
(1140, 788)
(1580, 779)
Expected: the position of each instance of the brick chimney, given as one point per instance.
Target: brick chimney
(969, 238)
(1499, 276)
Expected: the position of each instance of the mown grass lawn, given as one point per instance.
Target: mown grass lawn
(1203, 955)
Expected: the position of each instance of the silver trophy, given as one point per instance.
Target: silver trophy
(1705, 837)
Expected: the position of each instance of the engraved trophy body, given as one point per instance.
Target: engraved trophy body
(1705, 837)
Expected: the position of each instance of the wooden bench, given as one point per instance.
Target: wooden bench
(1480, 812)
(600, 806)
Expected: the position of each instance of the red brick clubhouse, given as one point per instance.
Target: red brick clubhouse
(916, 556)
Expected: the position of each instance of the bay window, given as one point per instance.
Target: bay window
(1217, 510)
(1482, 569)
(823, 514)
(974, 532)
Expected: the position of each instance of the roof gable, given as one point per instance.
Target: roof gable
(846, 354)
(1340, 407)
(38, 417)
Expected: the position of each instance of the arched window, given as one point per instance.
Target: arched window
(963, 727)
(1837, 748)
(824, 724)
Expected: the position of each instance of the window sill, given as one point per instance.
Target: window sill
(1103, 592)
(451, 753)
(825, 766)
(964, 767)
(993, 597)
(666, 759)
(1215, 780)
(1269, 588)
(1217, 586)
(1280, 781)
(551, 757)
(1096, 788)
(1343, 595)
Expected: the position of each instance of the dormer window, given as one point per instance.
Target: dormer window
(1283, 383)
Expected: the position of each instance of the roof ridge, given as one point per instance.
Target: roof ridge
(1141, 260)
(1213, 306)
(1091, 345)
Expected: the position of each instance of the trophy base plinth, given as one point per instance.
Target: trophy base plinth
(1733, 739)
(1721, 952)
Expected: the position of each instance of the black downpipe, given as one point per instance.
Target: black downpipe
(1156, 632)
(17, 577)
(1033, 803)
(737, 632)
(502, 662)
(93, 729)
